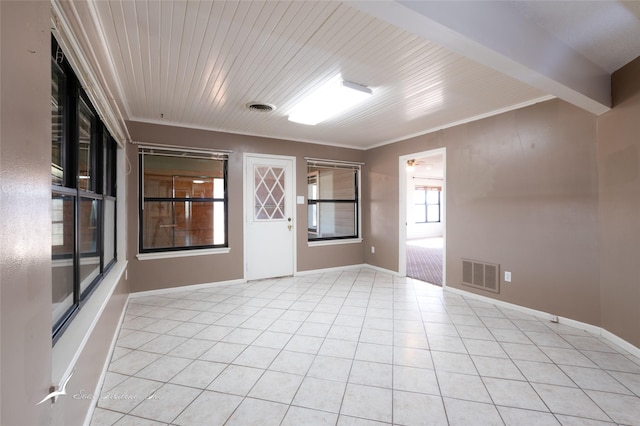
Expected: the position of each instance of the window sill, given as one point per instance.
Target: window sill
(184, 253)
(333, 242)
(68, 348)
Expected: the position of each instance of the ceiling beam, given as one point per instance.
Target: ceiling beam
(494, 34)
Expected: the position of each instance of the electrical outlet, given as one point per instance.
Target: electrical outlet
(507, 276)
(373, 249)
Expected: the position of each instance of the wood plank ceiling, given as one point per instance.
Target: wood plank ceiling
(197, 64)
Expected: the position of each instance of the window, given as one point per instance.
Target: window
(333, 209)
(83, 202)
(427, 204)
(183, 200)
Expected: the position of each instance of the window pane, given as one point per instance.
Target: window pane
(62, 243)
(86, 121)
(189, 187)
(333, 184)
(188, 177)
(419, 196)
(433, 197)
(169, 224)
(109, 230)
(419, 214)
(58, 88)
(89, 249)
(336, 220)
(433, 213)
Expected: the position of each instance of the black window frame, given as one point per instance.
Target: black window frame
(103, 167)
(329, 164)
(181, 153)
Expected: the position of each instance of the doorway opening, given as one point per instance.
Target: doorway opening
(422, 216)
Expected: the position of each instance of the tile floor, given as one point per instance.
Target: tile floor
(357, 347)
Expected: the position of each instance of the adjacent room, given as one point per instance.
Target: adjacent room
(319, 212)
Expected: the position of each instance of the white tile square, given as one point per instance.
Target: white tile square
(319, 394)
(223, 352)
(338, 348)
(187, 329)
(276, 386)
(236, 379)
(500, 368)
(164, 368)
(542, 372)
(133, 362)
(127, 395)
(165, 404)
(102, 417)
(272, 339)
(462, 386)
(513, 393)
(569, 401)
(518, 417)
(342, 332)
(368, 402)
(410, 340)
(623, 409)
(255, 412)
(330, 368)
(446, 344)
(292, 362)
(594, 379)
(465, 413)
(371, 374)
(413, 379)
(297, 416)
(244, 336)
(192, 348)
(485, 348)
(417, 409)
(313, 329)
(200, 411)
(375, 353)
(453, 362)
(198, 374)
(305, 344)
(213, 332)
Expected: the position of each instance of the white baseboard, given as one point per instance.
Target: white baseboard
(598, 331)
(346, 268)
(328, 270)
(184, 288)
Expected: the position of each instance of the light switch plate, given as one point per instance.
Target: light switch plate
(300, 199)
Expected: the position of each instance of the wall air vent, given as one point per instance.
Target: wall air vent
(260, 107)
(485, 276)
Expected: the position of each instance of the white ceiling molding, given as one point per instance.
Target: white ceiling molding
(493, 34)
(68, 28)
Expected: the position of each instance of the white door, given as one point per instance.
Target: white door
(269, 236)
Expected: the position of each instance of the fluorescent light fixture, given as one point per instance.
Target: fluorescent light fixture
(330, 99)
(198, 181)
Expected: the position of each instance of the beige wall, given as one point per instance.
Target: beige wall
(25, 245)
(165, 273)
(619, 164)
(522, 191)
(25, 274)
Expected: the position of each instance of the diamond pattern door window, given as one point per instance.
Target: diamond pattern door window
(269, 193)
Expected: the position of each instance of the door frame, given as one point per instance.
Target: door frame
(247, 210)
(402, 206)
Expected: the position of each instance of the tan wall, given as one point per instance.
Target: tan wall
(166, 273)
(25, 245)
(619, 163)
(522, 191)
(25, 256)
